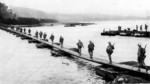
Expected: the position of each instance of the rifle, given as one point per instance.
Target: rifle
(114, 44)
(145, 46)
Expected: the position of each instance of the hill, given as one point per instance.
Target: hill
(27, 12)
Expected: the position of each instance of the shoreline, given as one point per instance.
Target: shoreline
(32, 25)
(51, 24)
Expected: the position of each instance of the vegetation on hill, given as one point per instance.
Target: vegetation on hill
(8, 17)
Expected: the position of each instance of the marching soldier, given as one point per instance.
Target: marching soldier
(141, 57)
(52, 38)
(29, 31)
(80, 45)
(90, 49)
(44, 36)
(41, 34)
(109, 50)
(36, 34)
(24, 30)
(61, 40)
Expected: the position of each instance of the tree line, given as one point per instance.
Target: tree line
(7, 17)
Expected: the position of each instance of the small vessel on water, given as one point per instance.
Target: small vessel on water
(126, 32)
(56, 52)
(111, 73)
(110, 33)
(125, 79)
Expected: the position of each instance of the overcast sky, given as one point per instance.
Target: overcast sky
(108, 7)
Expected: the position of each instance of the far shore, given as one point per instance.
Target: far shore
(30, 25)
(36, 25)
(50, 24)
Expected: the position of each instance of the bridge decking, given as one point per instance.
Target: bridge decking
(85, 57)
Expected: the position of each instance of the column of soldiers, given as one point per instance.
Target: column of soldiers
(43, 36)
(23, 30)
(109, 50)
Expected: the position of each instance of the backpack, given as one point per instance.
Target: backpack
(52, 37)
(110, 49)
(61, 39)
(143, 51)
(91, 46)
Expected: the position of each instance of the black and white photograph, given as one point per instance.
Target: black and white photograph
(74, 41)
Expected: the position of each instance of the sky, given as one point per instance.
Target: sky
(105, 7)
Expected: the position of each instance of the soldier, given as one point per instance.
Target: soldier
(17, 28)
(36, 34)
(80, 45)
(146, 26)
(109, 50)
(41, 34)
(44, 36)
(24, 30)
(20, 30)
(29, 31)
(12, 27)
(91, 48)
(141, 27)
(52, 38)
(141, 57)
(137, 27)
(61, 40)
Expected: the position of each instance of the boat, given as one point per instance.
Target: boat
(137, 34)
(23, 38)
(110, 33)
(42, 45)
(33, 41)
(126, 34)
(109, 73)
(142, 34)
(126, 79)
(57, 52)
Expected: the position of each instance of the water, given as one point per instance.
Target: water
(23, 63)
